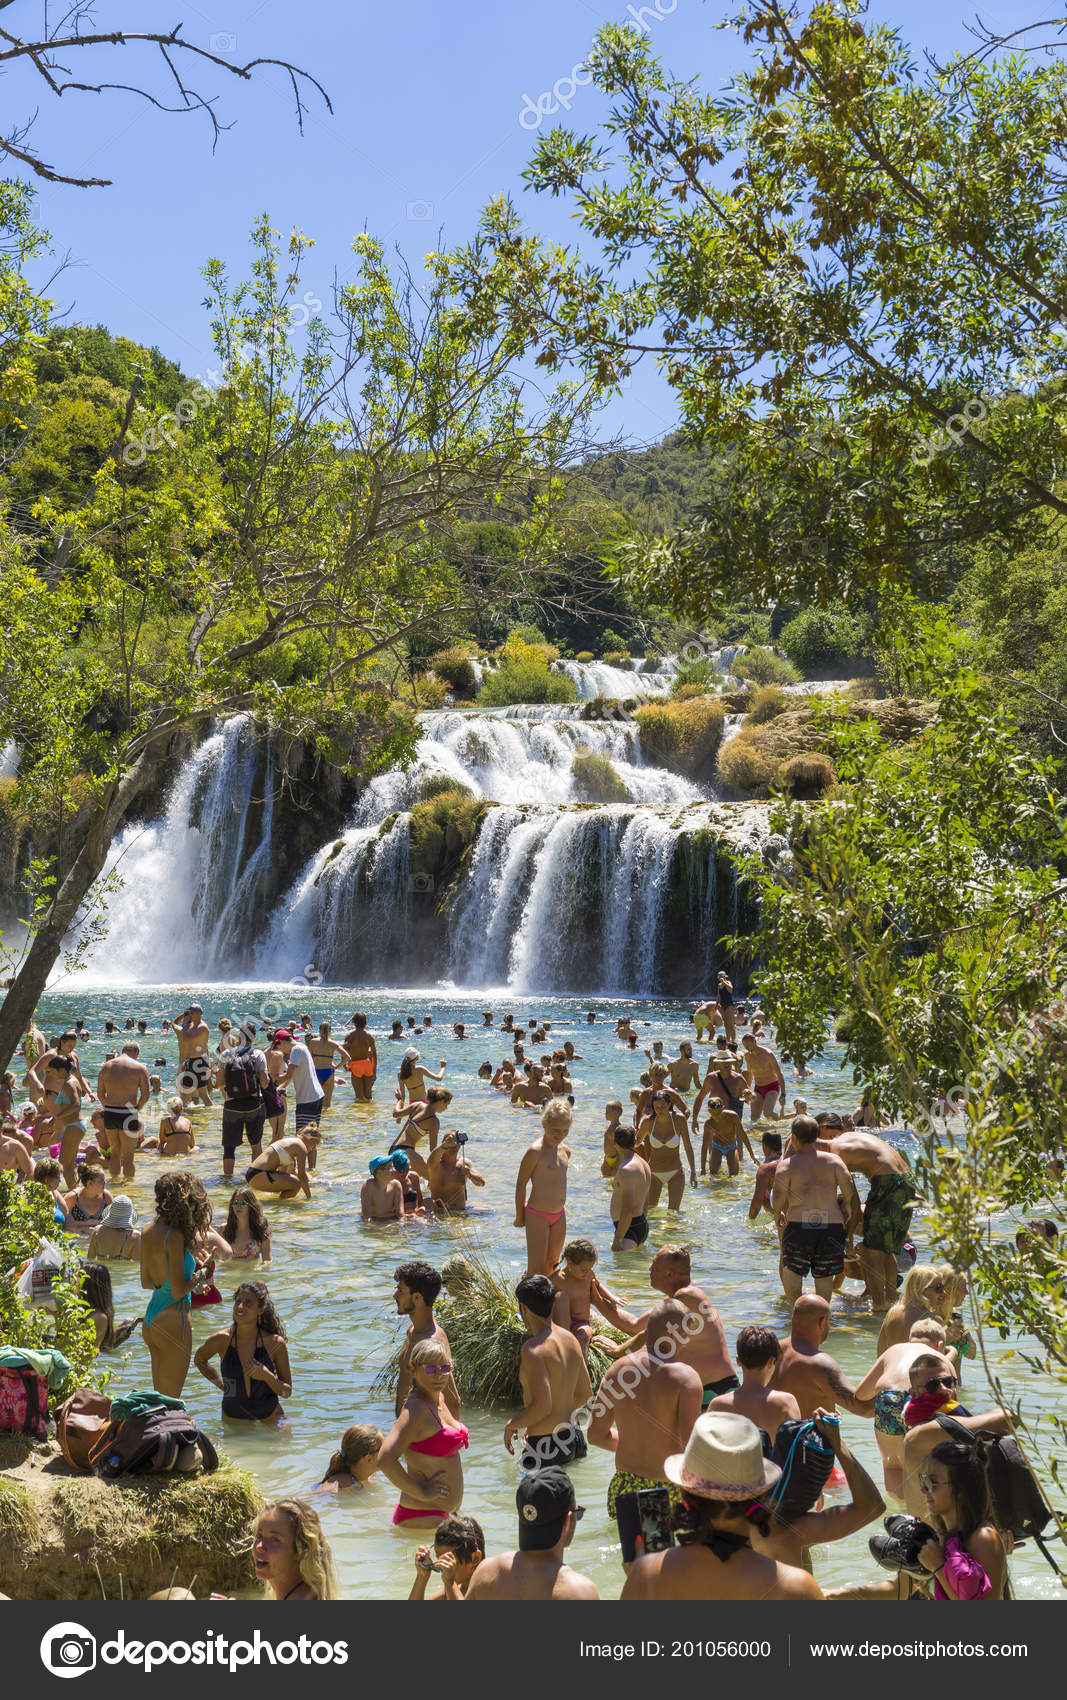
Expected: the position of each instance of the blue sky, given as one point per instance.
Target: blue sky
(433, 114)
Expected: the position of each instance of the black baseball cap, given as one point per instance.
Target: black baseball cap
(543, 1499)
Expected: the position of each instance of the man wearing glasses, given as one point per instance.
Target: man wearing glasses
(933, 1389)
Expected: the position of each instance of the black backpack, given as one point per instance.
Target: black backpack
(152, 1443)
(1015, 1500)
(242, 1076)
(806, 1462)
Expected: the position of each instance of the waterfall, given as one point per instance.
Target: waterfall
(348, 913)
(9, 760)
(605, 679)
(192, 883)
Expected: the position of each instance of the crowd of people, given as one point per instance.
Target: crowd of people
(705, 1433)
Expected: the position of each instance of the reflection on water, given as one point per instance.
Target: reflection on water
(332, 1277)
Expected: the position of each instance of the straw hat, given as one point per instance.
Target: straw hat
(723, 1459)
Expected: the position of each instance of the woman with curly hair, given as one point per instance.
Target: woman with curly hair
(290, 1552)
(169, 1266)
(254, 1367)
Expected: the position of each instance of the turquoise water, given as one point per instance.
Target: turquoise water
(332, 1276)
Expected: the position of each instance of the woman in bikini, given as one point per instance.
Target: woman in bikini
(282, 1169)
(356, 1462)
(323, 1051)
(430, 1478)
(290, 1553)
(87, 1204)
(412, 1078)
(253, 1375)
(169, 1267)
(176, 1137)
(419, 1119)
(274, 1095)
(665, 1136)
(246, 1230)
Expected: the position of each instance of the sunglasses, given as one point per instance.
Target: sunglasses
(445, 1369)
(947, 1381)
(925, 1483)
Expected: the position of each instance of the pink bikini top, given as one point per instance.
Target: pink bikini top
(445, 1443)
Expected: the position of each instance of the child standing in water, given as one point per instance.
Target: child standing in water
(544, 1171)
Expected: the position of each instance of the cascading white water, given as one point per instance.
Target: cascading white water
(605, 679)
(192, 882)
(9, 760)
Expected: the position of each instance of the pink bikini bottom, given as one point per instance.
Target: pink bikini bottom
(403, 1515)
(550, 1216)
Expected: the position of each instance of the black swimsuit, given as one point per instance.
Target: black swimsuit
(260, 1401)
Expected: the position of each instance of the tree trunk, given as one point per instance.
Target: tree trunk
(29, 983)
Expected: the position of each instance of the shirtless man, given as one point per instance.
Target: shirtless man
(761, 1192)
(887, 1212)
(887, 1382)
(765, 1078)
(548, 1519)
(805, 1199)
(704, 1347)
(194, 1064)
(123, 1089)
(381, 1198)
(532, 1090)
(631, 1183)
(417, 1288)
(644, 1410)
(812, 1376)
(724, 1081)
(362, 1055)
(705, 1019)
(758, 1351)
(554, 1379)
(683, 1070)
(544, 1171)
(448, 1172)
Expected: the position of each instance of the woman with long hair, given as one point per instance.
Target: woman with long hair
(431, 1477)
(290, 1552)
(246, 1230)
(253, 1375)
(412, 1077)
(968, 1560)
(923, 1296)
(665, 1132)
(169, 1266)
(357, 1460)
(97, 1293)
(419, 1118)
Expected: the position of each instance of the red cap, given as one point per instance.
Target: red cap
(282, 1033)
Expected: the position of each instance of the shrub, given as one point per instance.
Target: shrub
(596, 779)
(683, 736)
(806, 776)
(819, 638)
(687, 693)
(524, 676)
(606, 708)
(525, 634)
(744, 765)
(585, 655)
(768, 703)
(701, 672)
(611, 642)
(27, 1215)
(616, 657)
(442, 828)
(763, 667)
(428, 691)
(440, 784)
(454, 665)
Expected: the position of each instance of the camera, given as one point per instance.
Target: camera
(72, 1652)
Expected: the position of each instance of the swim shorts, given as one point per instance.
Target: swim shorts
(306, 1113)
(122, 1121)
(241, 1124)
(623, 1506)
(565, 1445)
(712, 1389)
(194, 1074)
(889, 1411)
(361, 1068)
(637, 1231)
(818, 1249)
(887, 1214)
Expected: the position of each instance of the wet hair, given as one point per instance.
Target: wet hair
(324, 1029)
(537, 1293)
(257, 1221)
(420, 1278)
(757, 1346)
(929, 1329)
(406, 1066)
(677, 1255)
(579, 1251)
(269, 1320)
(182, 1204)
(967, 1477)
(90, 1172)
(626, 1137)
(313, 1556)
(773, 1142)
(805, 1129)
(429, 1352)
(696, 1516)
(96, 1292)
(360, 1441)
(47, 1169)
(461, 1535)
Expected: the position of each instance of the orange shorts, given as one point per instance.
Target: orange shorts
(361, 1068)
